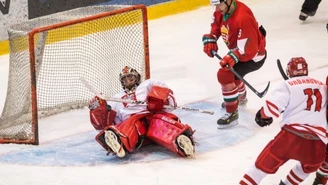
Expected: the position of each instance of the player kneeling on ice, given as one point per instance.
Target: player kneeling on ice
(303, 101)
(126, 126)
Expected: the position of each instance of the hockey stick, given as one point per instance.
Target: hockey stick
(104, 97)
(281, 70)
(259, 94)
(108, 98)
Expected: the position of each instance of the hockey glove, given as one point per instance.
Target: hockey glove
(157, 98)
(97, 102)
(101, 114)
(230, 59)
(262, 121)
(210, 44)
(94, 103)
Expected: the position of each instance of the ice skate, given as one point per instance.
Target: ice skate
(317, 181)
(113, 143)
(320, 179)
(185, 144)
(241, 103)
(303, 16)
(282, 183)
(228, 120)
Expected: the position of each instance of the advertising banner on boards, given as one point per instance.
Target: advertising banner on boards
(18, 11)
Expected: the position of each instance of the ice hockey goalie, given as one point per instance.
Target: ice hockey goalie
(125, 127)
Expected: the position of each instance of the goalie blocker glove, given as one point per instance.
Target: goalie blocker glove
(262, 121)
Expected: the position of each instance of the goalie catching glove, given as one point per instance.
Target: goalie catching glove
(101, 114)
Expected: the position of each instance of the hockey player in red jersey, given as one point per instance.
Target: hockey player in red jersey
(322, 173)
(303, 101)
(236, 24)
(124, 127)
(321, 176)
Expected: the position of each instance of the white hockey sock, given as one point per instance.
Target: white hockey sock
(254, 175)
(296, 175)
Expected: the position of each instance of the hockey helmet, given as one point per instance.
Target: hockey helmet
(130, 79)
(297, 66)
(216, 2)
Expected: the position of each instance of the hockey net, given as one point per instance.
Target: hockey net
(49, 55)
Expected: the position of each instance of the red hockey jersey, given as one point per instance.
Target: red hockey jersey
(240, 30)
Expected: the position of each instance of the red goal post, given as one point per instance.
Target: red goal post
(48, 56)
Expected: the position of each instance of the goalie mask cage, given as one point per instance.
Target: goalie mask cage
(49, 55)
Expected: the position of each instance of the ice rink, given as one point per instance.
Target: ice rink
(69, 155)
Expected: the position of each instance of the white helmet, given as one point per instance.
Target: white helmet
(128, 72)
(216, 2)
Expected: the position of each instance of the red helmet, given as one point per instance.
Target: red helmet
(297, 66)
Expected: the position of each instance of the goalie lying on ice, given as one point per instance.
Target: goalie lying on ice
(125, 127)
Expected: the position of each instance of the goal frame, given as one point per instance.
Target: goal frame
(33, 58)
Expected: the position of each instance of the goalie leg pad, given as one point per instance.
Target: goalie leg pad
(131, 132)
(100, 138)
(110, 142)
(164, 131)
(114, 143)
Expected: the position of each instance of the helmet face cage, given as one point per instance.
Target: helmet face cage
(126, 73)
(297, 66)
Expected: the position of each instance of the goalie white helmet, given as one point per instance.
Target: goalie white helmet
(130, 79)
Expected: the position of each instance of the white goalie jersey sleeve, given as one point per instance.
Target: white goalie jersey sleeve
(125, 110)
(146, 86)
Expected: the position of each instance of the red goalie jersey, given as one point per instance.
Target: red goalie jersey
(241, 31)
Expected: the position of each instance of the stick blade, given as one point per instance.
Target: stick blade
(262, 94)
(281, 70)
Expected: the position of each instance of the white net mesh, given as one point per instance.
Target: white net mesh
(94, 49)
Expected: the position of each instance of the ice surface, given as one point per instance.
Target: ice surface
(68, 153)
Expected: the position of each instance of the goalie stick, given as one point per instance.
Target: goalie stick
(108, 98)
(259, 94)
(281, 70)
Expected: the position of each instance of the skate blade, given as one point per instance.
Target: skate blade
(231, 124)
(114, 145)
(186, 146)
